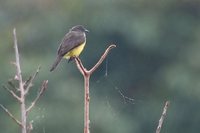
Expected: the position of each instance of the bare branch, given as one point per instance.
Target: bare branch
(41, 91)
(12, 93)
(162, 117)
(102, 58)
(11, 115)
(29, 83)
(21, 86)
(86, 74)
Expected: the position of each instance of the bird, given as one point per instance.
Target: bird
(71, 45)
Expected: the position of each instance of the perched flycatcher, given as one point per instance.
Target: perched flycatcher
(72, 45)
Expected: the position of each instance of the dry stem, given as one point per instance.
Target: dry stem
(23, 88)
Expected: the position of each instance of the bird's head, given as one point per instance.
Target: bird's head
(79, 28)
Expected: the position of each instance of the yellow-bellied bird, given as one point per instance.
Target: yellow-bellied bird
(72, 45)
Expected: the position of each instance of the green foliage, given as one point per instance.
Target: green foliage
(156, 59)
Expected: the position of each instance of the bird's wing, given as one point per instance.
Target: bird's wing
(70, 41)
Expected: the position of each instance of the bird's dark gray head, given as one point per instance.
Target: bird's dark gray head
(79, 28)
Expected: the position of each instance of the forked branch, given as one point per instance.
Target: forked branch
(86, 74)
(84, 71)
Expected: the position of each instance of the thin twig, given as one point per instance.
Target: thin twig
(102, 58)
(12, 93)
(11, 115)
(80, 66)
(42, 89)
(162, 117)
(29, 84)
(10, 82)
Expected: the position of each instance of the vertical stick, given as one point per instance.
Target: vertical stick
(21, 87)
(23, 112)
(86, 104)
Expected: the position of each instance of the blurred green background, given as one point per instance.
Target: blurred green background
(157, 59)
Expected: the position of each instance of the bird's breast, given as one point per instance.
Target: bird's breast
(75, 52)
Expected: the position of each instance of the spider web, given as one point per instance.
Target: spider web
(124, 97)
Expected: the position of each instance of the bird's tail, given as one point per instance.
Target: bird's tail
(58, 59)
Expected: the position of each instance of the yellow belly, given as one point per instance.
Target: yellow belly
(75, 52)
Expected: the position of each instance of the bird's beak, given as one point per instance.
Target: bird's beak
(86, 30)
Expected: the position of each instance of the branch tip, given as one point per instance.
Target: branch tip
(102, 58)
(28, 83)
(14, 30)
(160, 123)
(112, 46)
